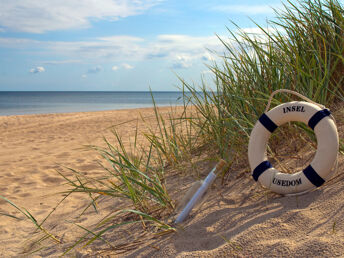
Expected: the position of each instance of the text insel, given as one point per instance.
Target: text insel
(294, 109)
(282, 182)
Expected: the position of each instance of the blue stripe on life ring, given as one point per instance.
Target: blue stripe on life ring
(260, 169)
(316, 118)
(267, 123)
(313, 176)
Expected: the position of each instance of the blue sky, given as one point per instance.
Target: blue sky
(114, 45)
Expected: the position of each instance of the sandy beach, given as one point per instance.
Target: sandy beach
(32, 147)
(237, 219)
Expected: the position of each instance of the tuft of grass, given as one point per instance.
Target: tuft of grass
(136, 174)
(173, 138)
(129, 176)
(31, 218)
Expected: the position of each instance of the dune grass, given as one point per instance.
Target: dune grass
(301, 50)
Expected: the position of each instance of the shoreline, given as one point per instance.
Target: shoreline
(26, 103)
(94, 111)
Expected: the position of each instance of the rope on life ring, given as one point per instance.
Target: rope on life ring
(320, 120)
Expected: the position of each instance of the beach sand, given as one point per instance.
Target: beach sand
(33, 147)
(238, 218)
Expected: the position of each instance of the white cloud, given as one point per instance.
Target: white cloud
(124, 66)
(184, 50)
(20, 43)
(128, 48)
(177, 50)
(84, 76)
(49, 15)
(127, 66)
(208, 57)
(120, 38)
(180, 42)
(247, 9)
(115, 48)
(181, 62)
(38, 69)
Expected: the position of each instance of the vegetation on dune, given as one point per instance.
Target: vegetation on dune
(301, 50)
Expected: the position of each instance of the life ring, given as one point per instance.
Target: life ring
(320, 167)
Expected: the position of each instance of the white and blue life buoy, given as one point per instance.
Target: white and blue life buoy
(318, 171)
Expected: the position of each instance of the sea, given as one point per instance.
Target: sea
(46, 102)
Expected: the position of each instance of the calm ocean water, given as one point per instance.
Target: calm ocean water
(20, 103)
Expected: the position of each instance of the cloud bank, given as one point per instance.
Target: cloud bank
(49, 15)
(180, 51)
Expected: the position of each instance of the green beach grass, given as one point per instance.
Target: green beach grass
(301, 50)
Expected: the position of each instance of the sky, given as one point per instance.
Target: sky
(117, 45)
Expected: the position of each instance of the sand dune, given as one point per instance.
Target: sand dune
(237, 219)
